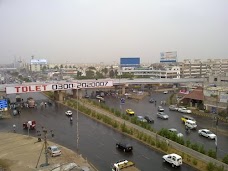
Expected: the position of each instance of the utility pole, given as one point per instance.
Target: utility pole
(45, 147)
(77, 122)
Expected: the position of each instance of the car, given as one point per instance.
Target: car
(141, 119)
(165, 92)
(186, 117)
(149, 119)
(173, 130)
(162, 115)
(130, 112)
(151, 100)
(207, 133)
(173, 159)
(184, 110)
(69, 113)
(54, 150)
(190, 124)
(126, 147)
(173, 107)
(160, 109)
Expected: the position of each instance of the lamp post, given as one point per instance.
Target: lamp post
(77, 123)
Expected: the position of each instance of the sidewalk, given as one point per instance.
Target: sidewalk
(21, 153)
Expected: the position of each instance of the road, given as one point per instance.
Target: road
(143, 108)
(96, 141)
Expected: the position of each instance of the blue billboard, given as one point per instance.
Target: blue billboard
(130, 62)
(3, 104)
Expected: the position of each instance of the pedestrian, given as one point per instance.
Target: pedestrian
(14, 128)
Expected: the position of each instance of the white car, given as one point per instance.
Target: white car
(207, 133)
(173, 159)
(184, 110)
(69, 113)
(176, 132)
(165, 92)
(162, 115)
(141, 119)
(54, 151)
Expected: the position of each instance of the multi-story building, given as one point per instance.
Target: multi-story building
(162, 72)
(37, 64)
(193, 69)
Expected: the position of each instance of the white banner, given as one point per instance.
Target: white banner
(55, 87)
(224, 98)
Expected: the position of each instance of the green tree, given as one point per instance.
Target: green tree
(61, 66)
(90, 74)
(111, 73)
(56, 67)
(99, 75)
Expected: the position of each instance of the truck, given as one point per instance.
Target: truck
(124, 165)
(31, 102)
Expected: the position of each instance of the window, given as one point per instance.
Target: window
(215, 79)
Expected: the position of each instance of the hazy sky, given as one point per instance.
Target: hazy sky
(95, 31)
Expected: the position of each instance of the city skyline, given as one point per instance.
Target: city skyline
(87, 31)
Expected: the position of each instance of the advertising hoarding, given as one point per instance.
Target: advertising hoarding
(55, 87)
(130, 62)
(168, 56)
(38, 62)
(3, 103)
(224, 98)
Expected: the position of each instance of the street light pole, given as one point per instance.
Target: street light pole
(77, 122)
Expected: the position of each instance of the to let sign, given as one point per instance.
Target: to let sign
(28, 88)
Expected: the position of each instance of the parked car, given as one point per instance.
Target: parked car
(54, 151)
(160, 109)
(165, 92)
(186, 117)
(141, 119)
(126, 147)
(151, 100)
(184, 110)
(173, 107)
(173, 159)
(207, 133)
(69, 113)
(149, 119)
(162, 115)
(130, 112)
(173, 130)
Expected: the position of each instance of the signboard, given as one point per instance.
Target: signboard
(224, 98)
(56, 87)
(3, 104)
(168, 56)
(38, 62)
(130, 62)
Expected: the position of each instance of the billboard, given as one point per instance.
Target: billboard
(56, 87)
(3, 103)
(168, 56)
(130, 62)
(38, 62)
(224, 98)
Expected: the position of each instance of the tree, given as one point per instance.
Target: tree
(99, 75)
(90, 74)
(105, 71)
(61, 66)
(91, 68)
(79, 74)
(56, 67)
(111, 73)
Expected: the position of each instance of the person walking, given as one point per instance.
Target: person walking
(14, 128)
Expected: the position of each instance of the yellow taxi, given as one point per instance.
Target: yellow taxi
(186, 117)
(130, 112)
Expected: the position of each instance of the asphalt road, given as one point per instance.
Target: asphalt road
(143, 108)
(96, 141)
